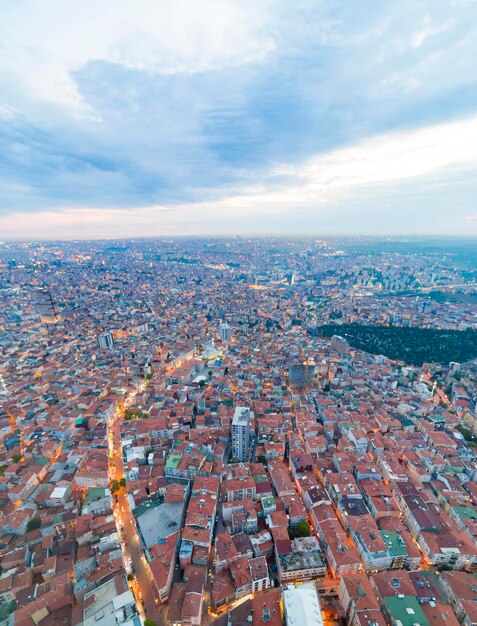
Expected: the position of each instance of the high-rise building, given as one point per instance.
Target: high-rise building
(105, 340)
(340, 344)
(3, 386)
(241, 433)
(47, 308)
(225, 332)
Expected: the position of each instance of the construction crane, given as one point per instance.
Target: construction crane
(14, 427)
(304, 356)
(298, 370)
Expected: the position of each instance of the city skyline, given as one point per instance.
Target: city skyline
(237, 118)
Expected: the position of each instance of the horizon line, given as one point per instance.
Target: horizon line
(242, 236)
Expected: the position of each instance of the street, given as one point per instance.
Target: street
(143, 586)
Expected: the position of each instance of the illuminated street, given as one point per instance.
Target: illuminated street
(143, 585)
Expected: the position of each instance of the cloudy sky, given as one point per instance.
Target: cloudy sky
(164, 117)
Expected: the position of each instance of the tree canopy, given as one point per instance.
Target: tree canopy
(409, 344)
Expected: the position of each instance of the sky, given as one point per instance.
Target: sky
(189, 117)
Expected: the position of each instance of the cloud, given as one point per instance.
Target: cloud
(43, 43)
(391, 157)
(429, 159)
(219, 109)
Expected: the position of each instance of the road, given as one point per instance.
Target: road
(143, 586)
(130, 541)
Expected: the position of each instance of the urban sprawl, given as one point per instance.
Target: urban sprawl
(187, 438)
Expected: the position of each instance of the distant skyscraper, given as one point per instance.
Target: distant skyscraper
(47, 308)
(240, 433)
(105, 340)
(225, 332)
(3, 386)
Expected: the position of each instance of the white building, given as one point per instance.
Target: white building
(59, 496)
(105, 340)
(240, 433)
(110, 604)
(301, 605)
(225, 332)
(340, 344)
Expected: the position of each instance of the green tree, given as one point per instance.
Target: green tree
(262, 459)
(122, 482)
(33, 524)
(412, 345)
(149, 622)
(16, 458)
(468, 435)
(114, 486)
(302, 529)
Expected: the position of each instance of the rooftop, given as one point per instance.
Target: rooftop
(301, 604)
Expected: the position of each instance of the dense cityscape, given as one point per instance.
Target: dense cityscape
(233, 431)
